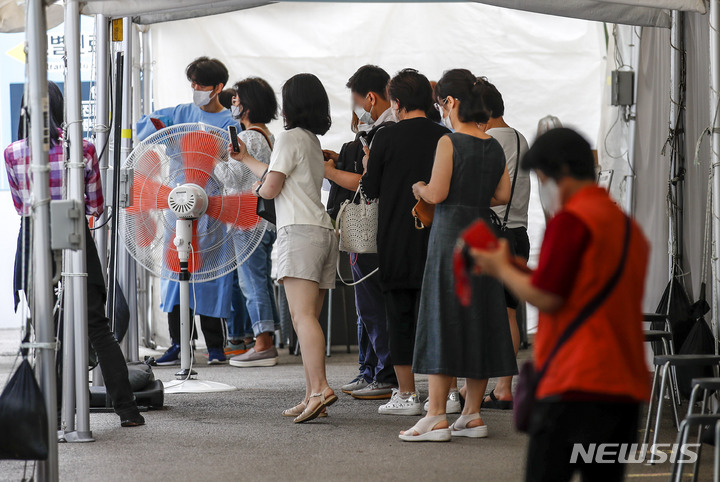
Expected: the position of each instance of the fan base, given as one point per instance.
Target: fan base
(186, 373)
(196, 386)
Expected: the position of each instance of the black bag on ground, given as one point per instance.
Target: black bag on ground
(23, 417)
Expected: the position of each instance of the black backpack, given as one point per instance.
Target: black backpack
(349, 160)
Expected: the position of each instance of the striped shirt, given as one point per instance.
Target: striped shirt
(17, 165)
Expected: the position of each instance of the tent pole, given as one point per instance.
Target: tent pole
(102, 127)
(714, 19)
(126, 264)
(677, 138)
(631, 117)
(76, 192)
(42, 291)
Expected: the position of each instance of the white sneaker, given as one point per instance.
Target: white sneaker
(451, 406)
(401, 406)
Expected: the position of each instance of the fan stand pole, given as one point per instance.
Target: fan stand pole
(186, 378)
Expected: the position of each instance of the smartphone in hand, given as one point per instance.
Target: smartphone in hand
(232, 131)
(363, 141)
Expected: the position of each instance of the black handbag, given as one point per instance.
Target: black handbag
(529, 378)
(23, 417)
(265, 207)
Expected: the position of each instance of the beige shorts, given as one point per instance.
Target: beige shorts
(307, 252)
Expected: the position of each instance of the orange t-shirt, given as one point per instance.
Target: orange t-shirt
(605, 356)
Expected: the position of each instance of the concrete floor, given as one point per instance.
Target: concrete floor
(240, 434)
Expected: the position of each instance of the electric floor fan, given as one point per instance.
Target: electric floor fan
(191, 219)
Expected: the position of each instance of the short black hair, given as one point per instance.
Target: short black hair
(369, 78)
(306, 104)
(411, 90)
(561, 152)
(465, 87)
(258, 98)
(225, 97)
(207, 72)
(492, 98)
(55, 115)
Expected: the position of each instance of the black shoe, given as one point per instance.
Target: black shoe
(132, 420)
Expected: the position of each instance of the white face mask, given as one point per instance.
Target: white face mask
(550, 197)
(447, 122)
(364, 116)
(236, 112)
(201, 97)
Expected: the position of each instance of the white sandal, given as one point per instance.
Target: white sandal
(425, 432)
(300, 408)
(460, 428)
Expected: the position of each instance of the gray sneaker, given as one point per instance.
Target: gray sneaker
(374, 391)
(451, 406)
(401, 406)
(358, 383)
(252, 358)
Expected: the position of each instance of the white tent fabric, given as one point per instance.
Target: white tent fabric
(633, 12)
(336, 39)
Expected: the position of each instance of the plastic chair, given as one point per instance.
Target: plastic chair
(663, 364)
(697, 421)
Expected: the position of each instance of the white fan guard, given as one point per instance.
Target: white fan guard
(147, 228)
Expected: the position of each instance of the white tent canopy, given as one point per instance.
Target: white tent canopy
(654, 13)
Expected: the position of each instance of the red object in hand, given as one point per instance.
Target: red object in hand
(157, 123)
(478, 236)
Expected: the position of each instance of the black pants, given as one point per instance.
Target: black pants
(110, 357)
(402, 309)
(520, 247)
(213, 328)
(556, 426)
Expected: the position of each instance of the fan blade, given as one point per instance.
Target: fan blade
(148, 194)
(200, 153)
(149, 163)
(236, 209)
(145, 229)
(171, 254)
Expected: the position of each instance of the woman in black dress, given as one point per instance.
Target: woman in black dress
(469, 176)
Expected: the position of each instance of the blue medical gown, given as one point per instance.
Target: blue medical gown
(213, 297)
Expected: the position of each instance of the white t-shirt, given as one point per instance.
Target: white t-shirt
(298, 155)
(518, 217)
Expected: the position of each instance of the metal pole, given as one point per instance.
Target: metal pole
(102, 125)
(42, 302)
(631, 117)
(126, 264)
(147, 62)
(714, 19)
(677, 165)
(76, 192)
(68, 388)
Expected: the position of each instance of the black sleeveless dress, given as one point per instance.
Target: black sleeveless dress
(472, 342)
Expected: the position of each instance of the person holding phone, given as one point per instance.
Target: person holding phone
(376, 378)
(255, 105)
(593, 256)
(207, 79)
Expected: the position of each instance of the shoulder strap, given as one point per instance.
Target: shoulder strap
(267, 139)
(594, 303)
(515, 175)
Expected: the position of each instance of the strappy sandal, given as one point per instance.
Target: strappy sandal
(296, 410)
(308, 414)
(460, 428)
(425, 431)
(496, 403)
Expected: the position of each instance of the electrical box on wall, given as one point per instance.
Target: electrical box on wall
(66, 218)
(622, 87)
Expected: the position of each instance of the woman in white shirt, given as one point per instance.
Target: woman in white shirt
(306, 243)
